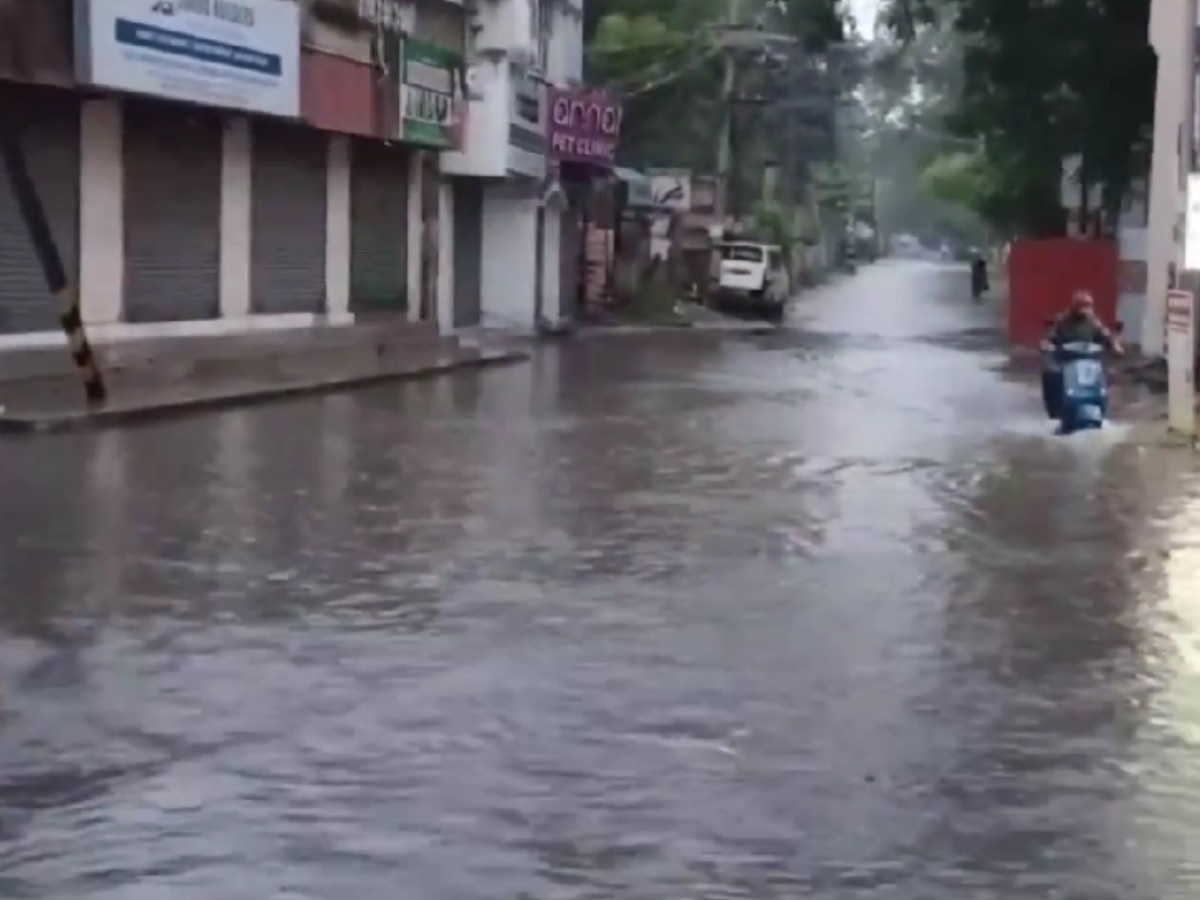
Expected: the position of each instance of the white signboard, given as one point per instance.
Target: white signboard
(672, 189)
(1191, 224)
(1181, 353)
(237, 54)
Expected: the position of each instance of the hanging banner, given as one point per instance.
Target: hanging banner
(432, 95)
(1181, 355)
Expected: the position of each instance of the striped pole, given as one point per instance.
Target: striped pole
(38, 228)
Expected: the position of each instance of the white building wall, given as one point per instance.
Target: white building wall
(565, 65)
(509, 228)
(1170, 33)
(236, 178)
(101, 213)
(337, 231)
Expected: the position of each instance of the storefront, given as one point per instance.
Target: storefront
(50, 133)
(172, 211)
(378, 227)
(583, 133)
(467, 255)
(432, 84)
(183, 154)
(289, 185)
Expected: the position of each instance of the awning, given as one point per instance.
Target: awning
(641, 193)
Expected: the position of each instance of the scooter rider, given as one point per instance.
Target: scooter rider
(1079, 324)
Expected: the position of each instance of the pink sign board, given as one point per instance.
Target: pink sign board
(584, 127)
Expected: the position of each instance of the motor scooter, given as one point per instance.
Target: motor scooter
(1074, 385)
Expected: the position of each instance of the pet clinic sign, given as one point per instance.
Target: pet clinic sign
(235, 54)
(585, 126)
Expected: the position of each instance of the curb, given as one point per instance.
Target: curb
(94, 420)
(595, 331)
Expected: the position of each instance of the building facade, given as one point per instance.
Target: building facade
(508, 199)
(1171, 36)
(223, 166)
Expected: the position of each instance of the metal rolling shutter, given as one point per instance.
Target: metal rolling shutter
(287, 238)
(172, 213)
(378, 227)
(50, 135)
(468, 252)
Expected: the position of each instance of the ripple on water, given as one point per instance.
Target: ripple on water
(827, 615)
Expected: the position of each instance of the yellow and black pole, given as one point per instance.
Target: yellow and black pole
(38, 228)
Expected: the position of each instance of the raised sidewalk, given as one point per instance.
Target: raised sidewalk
(154, 378)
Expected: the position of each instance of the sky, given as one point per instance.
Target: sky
(864, 12)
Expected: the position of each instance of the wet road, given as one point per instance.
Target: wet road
(820, 613)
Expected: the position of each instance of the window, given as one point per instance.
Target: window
(742, 253)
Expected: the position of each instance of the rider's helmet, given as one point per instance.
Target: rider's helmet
(1082, 302)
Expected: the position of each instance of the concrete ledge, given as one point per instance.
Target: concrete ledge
(596, 331)
(186, 398)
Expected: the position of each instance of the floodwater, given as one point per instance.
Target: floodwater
(826, 612)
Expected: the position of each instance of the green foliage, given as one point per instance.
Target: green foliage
(1042, 80)
(665, 56)
(961, 179)
(773, 223)
(844, 188)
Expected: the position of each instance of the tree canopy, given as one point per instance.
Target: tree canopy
(1041, 81)
(666, 58)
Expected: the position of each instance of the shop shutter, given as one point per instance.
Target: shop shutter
(288, 200)
(468, 252)
(172, 212)
(49, 122)
(378, 227)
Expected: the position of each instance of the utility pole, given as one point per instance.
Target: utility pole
(725, 132)
(1180, 312)
(735, 36)
(33, 215)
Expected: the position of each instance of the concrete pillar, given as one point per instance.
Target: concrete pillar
(101, 212)
(445, 299)
(1171, 30)
(337, 230)
(236, 177)
(413, 234)
(551, 263)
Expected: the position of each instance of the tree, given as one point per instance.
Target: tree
(1043, 80)
(666, 57)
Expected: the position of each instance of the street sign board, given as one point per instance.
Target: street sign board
(1191, 224)
(1181, 355)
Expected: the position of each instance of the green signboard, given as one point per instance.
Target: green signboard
(432, 102)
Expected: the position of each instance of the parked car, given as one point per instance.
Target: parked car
(754, 278)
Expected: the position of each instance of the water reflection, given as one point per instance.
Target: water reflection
(825, 612)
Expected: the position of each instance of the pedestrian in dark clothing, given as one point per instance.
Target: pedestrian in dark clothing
(979, 277)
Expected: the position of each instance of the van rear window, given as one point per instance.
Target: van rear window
(743, 254)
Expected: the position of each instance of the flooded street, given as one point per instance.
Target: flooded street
(826, 612)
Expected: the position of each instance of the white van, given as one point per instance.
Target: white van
(754, 276)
